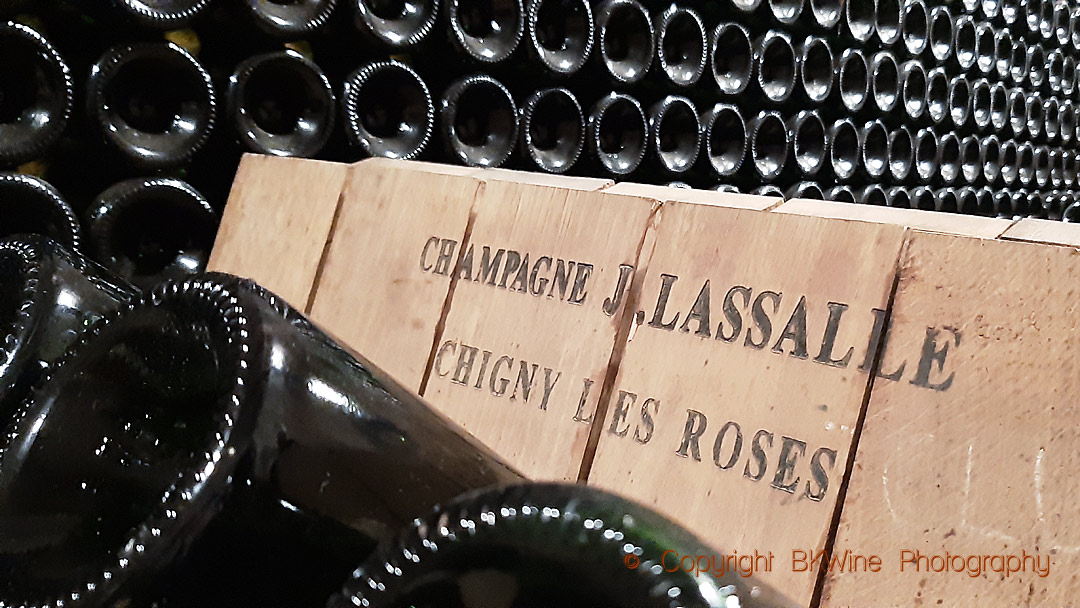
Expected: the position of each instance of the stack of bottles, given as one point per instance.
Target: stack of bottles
(202, 444)
(123, 109)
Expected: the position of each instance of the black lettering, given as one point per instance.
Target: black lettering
(700, 313)
(757, 454)
(820, 475)
(619, 415)
(537, 287)
(513, 261)
(578, 292)
(828, 342)
(666, 281)
(524, 381)
(732, 314)
(446, 255)
(647, 421)
(790, 451)
(736, 449)
(562, 279)
(489, 266)
(762, 320)
(795, 330)
(695, 426)
(448, 345)
(466, 357)
(578, 415)
(483, 370)
(611, 304)
(465, 266)
(502, 382)
(427, 266)
(549, 385)
(931, 355)
(521, 281)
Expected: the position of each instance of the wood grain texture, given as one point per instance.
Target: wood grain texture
(373, 292)
(929, 221)
(750, 409)
(986, 466)
(701, 197)
(277, 221)
(1044, 231)
(519, 347)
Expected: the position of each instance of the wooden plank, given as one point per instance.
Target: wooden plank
(974, 451)
(527, 343)
(384, 285)
(569, 182)
(929, 221)
(277, 222)
(1044, 231)
(739, 391)
(701, 197)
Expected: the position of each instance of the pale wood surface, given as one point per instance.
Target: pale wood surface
(373, 292)
(569, 182)
(852, 263)
(1044, 231)
(987, 466)
(277, 221)
(930, 221)
(567, 343)
(701, 197)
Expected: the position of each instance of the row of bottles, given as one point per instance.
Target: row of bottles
(202, 444)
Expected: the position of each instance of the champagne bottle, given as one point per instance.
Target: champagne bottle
(31, 205)
(281, 103)
(560, 33)
(48, 295)
(396, 23)
(545, 544)
(291, 18)
(152, 102)
(682, 45)
(148, 230)
(488, 31)
(388, 110)
(205, 411)
(170, 14)
(625, 39)
(675, 134)
(552, 130)
(618, 131)
(479, 121)
(37, 89)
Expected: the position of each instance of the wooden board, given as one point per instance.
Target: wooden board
(929, 221)
(701, 197)
(525, 348)
(1044, 231)
(974, 451)
(542, 179)
(738, 427)
(277, 222)
(386, 277)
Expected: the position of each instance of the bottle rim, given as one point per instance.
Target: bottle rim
(620, 162)
(24, 255)
(71, 236)
(293, 19)
(24, 142)
(689, 73)
(553, 163)
(621, 537)
(399, 32)
(480, 48)
(489, 154)
(103, 214)
(149, 13)
(372, 144)
(188, 501)
(625, 71)
(183, 138)
(677, 161)
(321, 123)
(563, 61)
